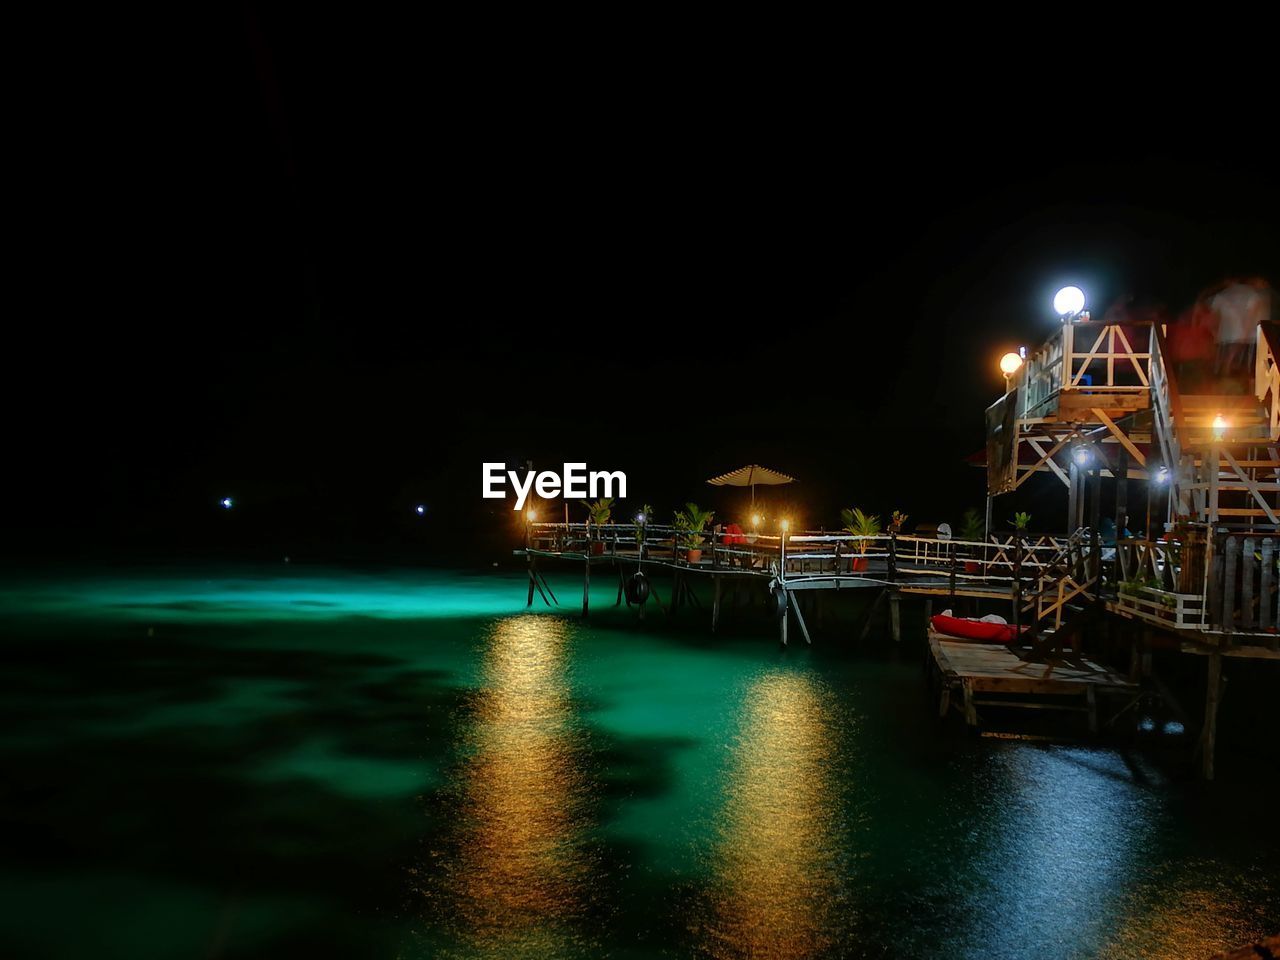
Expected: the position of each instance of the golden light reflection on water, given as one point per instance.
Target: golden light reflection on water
(777, 887)
(514, 876)
(1178, 920)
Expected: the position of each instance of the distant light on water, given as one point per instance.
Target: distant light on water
(227, 503)
(420, 509)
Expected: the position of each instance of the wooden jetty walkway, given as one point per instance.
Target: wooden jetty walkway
(1095, 404)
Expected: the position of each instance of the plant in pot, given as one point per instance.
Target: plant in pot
(1021, 521)
(860, 525)
(599, 513)
(896, 520)
(691, 522)
(972, 530)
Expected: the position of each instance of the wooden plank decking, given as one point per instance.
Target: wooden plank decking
(994, 670)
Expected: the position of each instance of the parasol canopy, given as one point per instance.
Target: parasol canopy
(749, 476)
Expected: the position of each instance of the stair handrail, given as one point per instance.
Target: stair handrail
(1166, 402)
(1267, 374)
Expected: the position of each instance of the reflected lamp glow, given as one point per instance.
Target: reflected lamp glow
(1010, 363)
(1068, 301)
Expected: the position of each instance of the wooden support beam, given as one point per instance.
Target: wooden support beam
(895, 626)
(715, 603)
(1119, 435)
(794, 605)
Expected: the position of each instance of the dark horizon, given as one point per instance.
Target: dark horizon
(332, 313)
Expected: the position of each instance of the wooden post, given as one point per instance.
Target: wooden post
(970, 710)
(1073, 498)
(794, 605)
(1095, 520)
(1227, 587)
(715, 602)
(895, 627)
(1265, 618)
(782, 622)
(1209, 735)
(1122, 494)
(893, 557)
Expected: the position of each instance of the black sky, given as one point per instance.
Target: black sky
(305, 260)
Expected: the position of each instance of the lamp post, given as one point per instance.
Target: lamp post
(1009, 365)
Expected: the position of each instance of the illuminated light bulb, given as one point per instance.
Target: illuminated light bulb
(419, 509)
(1068, 301)
(1010, 363)
(786, 525)
(1219, 426)
(1082, 455)
(639, 518)
(227, 503)
(755, 519)
(533, 516)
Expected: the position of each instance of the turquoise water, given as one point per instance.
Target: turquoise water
(408, 764)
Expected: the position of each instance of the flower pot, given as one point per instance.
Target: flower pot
(857, 564)
(694, 555)
(597, 548)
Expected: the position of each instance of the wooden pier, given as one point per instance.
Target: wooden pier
(1096, 403)
(970, 676)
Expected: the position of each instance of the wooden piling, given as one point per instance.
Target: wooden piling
(1209, 735)
(895, 626)
(586, 585)
(715, 602)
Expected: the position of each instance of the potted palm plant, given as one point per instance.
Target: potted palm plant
(973, 530)
(691, 522)
(599, 513)
(860, 525)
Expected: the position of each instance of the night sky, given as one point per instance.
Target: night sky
(313, 264)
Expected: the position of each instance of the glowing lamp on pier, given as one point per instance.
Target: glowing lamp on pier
(420, 509)
(1068, 302)
(785, 525)
(532, 515)
(1009, 365)
(755, 520)
(1162, 475)
(226, 503)
(1083, 456)
(1219, 426)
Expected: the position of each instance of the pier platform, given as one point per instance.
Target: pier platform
(973, 675)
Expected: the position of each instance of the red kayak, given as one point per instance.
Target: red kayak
(980, 630)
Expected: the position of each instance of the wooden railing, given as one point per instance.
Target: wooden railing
(1267, 375)
(1166, 405)
(1089, 357)
(886, 557)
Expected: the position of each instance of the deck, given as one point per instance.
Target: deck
(993, 675)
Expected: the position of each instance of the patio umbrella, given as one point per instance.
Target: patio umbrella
(749, 476)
